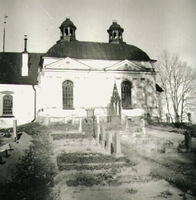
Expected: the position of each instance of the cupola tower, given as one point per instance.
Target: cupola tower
(68, 30)
(115, 33)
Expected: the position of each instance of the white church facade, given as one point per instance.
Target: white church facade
(75, 77)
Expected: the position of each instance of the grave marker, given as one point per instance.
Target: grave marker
(109, 142)
(15, 130)
(117, 145)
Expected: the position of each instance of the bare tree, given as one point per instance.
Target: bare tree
(177, 80)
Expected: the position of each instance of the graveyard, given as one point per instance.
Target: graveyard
(97, 159)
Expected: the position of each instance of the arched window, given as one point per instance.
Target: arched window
(7, 105)
(67, 94)
(126, 94)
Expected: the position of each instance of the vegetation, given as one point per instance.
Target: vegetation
(60, 136)
(33, 176)
(93, 161)
(88, 158)
(178, 82)
(90, 179)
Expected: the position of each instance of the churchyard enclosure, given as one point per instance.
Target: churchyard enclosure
(89, 159)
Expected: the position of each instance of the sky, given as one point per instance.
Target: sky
(152, 25)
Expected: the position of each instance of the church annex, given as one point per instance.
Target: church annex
(74, 78)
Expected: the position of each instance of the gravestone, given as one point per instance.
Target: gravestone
(108, 142)
(15, 130)
(189, 117)
(143, 126)
(80, 125)
(126, 123)
(103, 137)
(117, 145)
(98, 130)
(1, 161)
(167, 118)
(188, 140)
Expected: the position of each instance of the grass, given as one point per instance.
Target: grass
(183, 182)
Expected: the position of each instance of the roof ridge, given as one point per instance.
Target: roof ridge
(21, 52)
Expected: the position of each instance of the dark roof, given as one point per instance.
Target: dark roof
(115, 26)
(96, 50)
(68, 23)
(10, 68)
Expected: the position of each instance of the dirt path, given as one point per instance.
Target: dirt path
(167, 167)
(128, 183)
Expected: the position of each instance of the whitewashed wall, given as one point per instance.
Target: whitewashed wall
(23, 104)
(93, 86)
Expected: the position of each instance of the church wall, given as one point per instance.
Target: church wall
(92, 89)
(23, 104)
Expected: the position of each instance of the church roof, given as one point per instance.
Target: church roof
(95, 50)
(10, 68)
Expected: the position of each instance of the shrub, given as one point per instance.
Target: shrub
(33, 176)
(90, 179)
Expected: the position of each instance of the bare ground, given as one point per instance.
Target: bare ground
(149, 176)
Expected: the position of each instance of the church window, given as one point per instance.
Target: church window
(126, 95)
(7, 105)
(67, 94)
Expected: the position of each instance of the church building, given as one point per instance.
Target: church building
(75, 78)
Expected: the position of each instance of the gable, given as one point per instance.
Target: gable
(127, 65)
(67, 64)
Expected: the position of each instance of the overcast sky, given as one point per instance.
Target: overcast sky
(152, 25)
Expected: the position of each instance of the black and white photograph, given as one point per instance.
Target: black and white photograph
(97, 100)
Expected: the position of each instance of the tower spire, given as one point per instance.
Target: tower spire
(5, 18)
